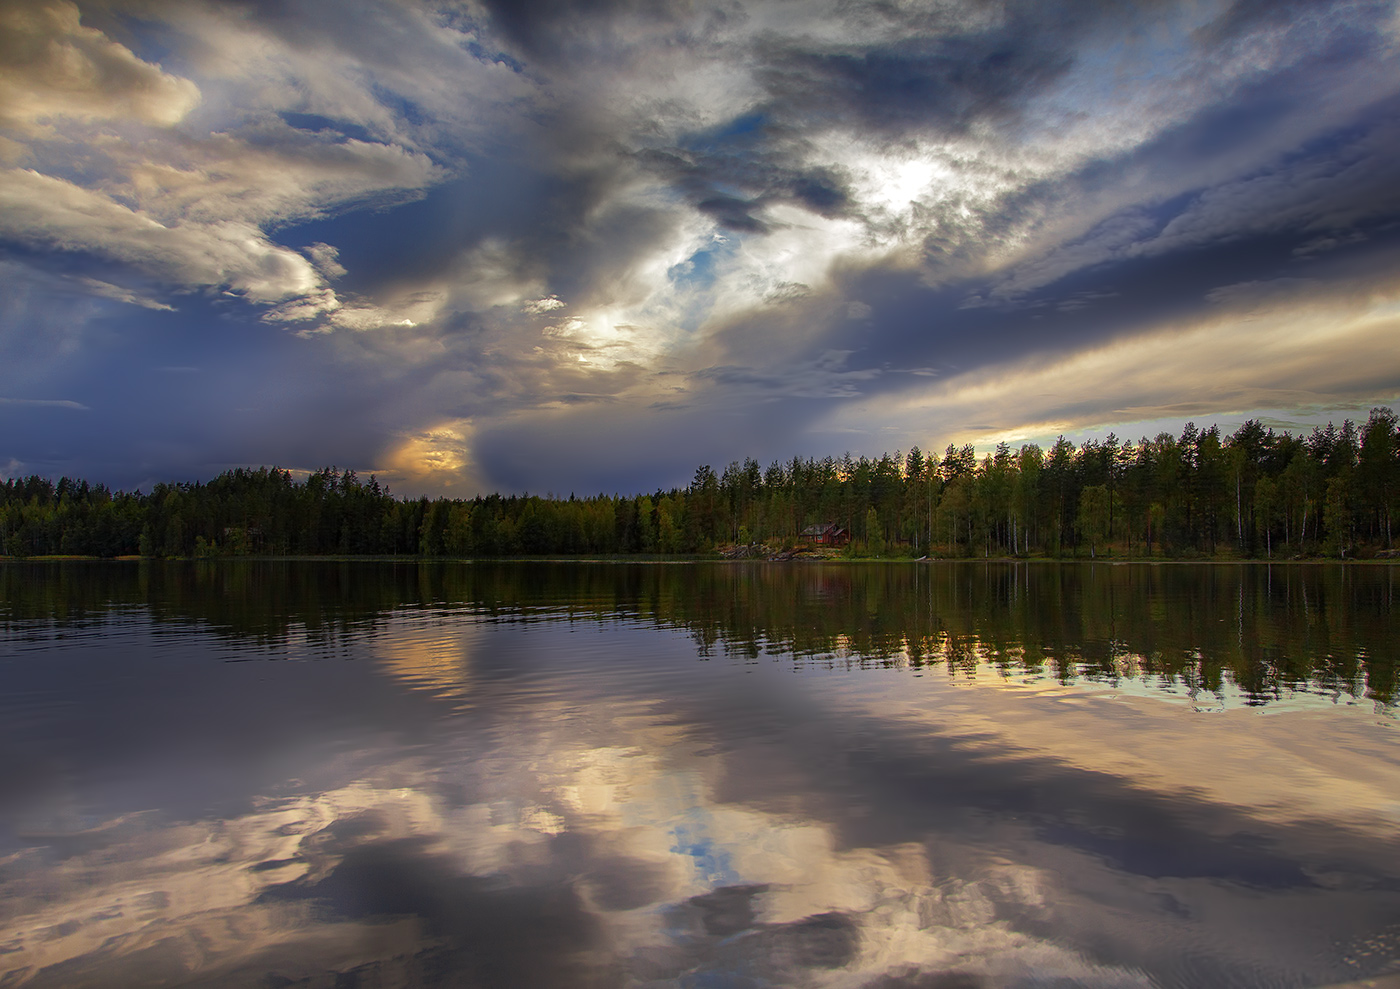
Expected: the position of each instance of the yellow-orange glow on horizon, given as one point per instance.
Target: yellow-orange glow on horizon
(437, 458)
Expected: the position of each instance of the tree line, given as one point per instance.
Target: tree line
(1255, 493)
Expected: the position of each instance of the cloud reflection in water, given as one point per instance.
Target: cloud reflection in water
(539, 796)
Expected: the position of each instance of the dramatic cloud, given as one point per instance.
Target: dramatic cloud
(51, 213)
(589, 244)
(53, 68)
(1277, 346)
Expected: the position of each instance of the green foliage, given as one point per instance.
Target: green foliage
(1254, 494)
(1266, 502)
(874, 537)
(1092, 521)
(669, 538)
(457, 534)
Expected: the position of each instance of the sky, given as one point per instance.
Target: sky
(587, 245)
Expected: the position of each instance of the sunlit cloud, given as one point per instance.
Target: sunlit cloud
(1277, 346)
(54, 68)
(57, 214)
(437, 458)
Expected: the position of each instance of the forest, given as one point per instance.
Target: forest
(1254, 494)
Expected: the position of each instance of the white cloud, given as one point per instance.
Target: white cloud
(538, 306)
(118, 294)
(650, 83)
(129, 164)
(268, 175)
(326, 310)
(40, 210)
(326, 259)
(53, 68)
(361, 66)
(493, 273)
(45, 403)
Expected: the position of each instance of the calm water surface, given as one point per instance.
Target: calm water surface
(922, 776)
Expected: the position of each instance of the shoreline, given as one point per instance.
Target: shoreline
(655, 559)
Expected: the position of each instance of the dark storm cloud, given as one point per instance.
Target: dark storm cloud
(567, 231)
(540, 935)
(502, 197)
(742, 155)
(937, 77)
(615, 449)
(943, 86)
(230, 404)
(1333, 184)
(929, 81)
(551, 27)
(1146, 262)
(732, 213)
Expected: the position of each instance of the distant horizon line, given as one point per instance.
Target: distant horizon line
(1097, 434)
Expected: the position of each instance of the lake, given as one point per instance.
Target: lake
(893, 776)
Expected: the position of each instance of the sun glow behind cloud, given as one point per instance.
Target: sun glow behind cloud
(437, 458)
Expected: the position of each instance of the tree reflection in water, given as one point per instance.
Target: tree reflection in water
(373, 774)
(1266, 629)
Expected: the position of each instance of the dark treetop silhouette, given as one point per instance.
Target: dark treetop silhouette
(1255, 493)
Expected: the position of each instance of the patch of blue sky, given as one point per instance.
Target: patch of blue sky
(712, 862)
(73, 262)
(345, 129)
(149, 40)
(739, 133)
(1150, 57)
(496, 197)
(402, 107)
(118, 369)
(483, 54)
(695, 279)
(471, 28)
(696, 271)
(741, 126)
